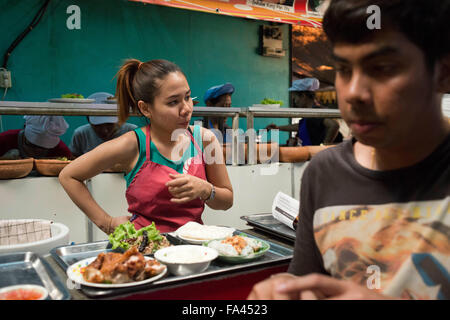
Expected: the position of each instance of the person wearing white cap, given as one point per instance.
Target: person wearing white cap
(311, 131)
(39, 139)
(98, 130)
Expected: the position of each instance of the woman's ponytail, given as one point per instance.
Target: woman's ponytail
(124, 90)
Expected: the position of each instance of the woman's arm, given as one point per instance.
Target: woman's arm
(216, 173)
(185, 187)
(287, 127)
(332, 129)
(122, 150)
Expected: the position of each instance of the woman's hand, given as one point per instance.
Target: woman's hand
(185, 188)
(272, 126)
(113, 222)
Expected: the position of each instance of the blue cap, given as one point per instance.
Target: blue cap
(217, 91)
(306, 84)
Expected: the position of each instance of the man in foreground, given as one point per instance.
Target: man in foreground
(374, 211)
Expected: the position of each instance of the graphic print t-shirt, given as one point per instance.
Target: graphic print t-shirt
(388, 231)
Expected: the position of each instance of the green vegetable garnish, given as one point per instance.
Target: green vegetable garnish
(127, 231)
(72, 96)
(271, 101)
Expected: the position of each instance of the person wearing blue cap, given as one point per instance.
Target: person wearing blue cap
(218, 96)
(311, 131)
(98, 130)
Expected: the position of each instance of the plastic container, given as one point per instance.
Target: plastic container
(60, 237)
(185, 260)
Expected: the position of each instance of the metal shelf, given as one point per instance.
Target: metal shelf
(90, 109)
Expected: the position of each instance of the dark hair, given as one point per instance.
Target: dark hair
(138, 80)
(308, 94)
(214, 101)
(423, 22)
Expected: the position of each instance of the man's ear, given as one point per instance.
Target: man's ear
(144, 108)
(443, 80)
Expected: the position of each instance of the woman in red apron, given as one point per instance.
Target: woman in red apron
(158, 90)
(149, 198)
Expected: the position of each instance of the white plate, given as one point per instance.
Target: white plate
(74, 274)
(194, 241)
(195, 233)
(71, 100)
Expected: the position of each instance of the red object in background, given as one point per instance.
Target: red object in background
(291, 12)
(21, 294)
(230, 287)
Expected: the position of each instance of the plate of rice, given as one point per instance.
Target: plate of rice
(195, 233)
(239, 248)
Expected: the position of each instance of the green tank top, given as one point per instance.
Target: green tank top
(157, 157)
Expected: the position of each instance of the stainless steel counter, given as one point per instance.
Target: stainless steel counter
(182, 283)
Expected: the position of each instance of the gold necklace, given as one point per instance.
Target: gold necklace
(372, 164)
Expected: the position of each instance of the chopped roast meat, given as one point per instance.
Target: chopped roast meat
(152, 246)
(115, 268)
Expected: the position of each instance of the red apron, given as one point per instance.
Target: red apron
(149, 199)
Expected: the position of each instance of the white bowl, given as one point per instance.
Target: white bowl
(185, 260)
(60, 236)
(39, 289)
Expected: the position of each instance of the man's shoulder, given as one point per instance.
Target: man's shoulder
(331, 154)
(83, 128)
(128, 126)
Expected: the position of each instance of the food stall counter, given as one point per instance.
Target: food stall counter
(230, 281)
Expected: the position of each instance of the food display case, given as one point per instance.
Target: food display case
(276, 259)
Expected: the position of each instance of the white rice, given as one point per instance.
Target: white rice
(186, 256)
(223, 248)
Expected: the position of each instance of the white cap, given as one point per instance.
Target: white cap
(44, 131)
(100, 97)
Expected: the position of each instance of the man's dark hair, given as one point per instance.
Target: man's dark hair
(214, 101)
(423, 22)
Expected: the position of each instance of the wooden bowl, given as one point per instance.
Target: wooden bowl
(13, 169)
(294, 154)
(49, 167)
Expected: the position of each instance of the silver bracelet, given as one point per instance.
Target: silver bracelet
(212, 194)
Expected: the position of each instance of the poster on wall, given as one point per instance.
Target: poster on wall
(297, 12)
(312, 55)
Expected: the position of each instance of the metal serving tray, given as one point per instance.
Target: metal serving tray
(67, 255)
(30, 268)
(267, 223)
